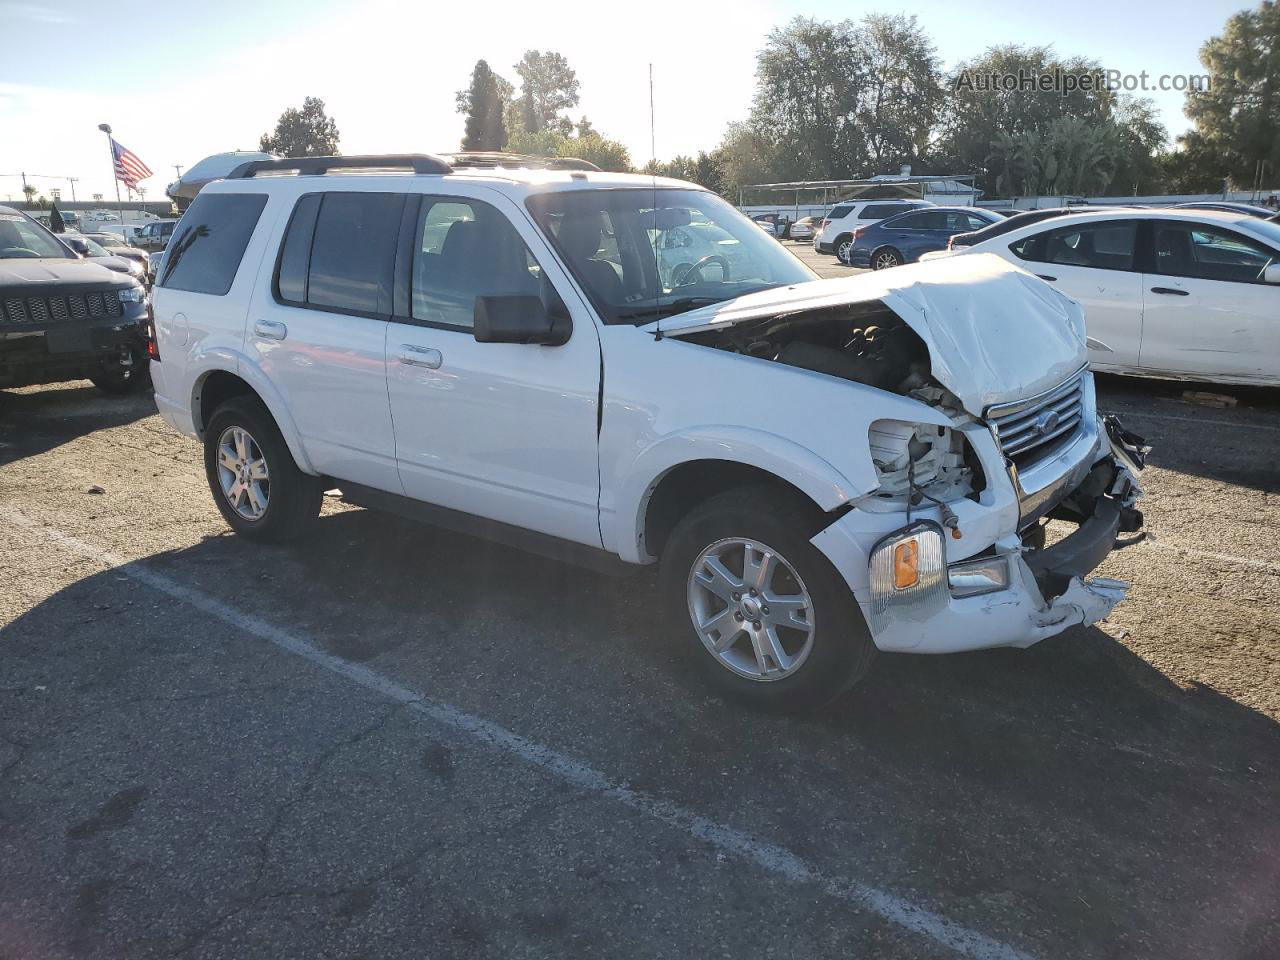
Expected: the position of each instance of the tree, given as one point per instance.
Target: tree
(1238, 115)
(978, 111)
(308, 132)
(547, 86)
(1142, 140)
(604, 153)
(29, 192)
(484, 103)
(902, 96)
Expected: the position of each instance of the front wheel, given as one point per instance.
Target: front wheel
(771, 621)
(255, 482)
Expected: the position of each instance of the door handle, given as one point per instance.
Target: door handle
(1170, 290)
(270, 329)
(420, 356)
(1045, 276)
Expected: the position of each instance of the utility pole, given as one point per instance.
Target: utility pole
(72, 181)
(177, 168)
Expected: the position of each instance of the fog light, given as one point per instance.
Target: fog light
(908, 573)
(976, 577)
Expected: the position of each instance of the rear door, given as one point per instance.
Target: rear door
(1208, 312)
(505, 431)
(1094, 263)
(318, 330)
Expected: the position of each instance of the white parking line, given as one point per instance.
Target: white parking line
(1266, 566)
(733, 842)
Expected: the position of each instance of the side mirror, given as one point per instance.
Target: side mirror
(1271, 274)
(521, 319)
(78, 245)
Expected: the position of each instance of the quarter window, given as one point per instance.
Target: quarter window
(204, 256)
(1105, 246)
(467, 249)
(1206, 253)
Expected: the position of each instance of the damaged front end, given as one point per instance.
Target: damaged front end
(949, 551)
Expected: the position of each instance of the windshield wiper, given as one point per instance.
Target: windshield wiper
(668, 309)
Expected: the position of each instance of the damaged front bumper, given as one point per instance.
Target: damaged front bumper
(994, 586)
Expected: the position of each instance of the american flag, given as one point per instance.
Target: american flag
(129, 169)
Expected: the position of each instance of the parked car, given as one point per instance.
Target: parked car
(118, 247)
(822, 468)
(63, 317)
(90, 249)
(902, 239)
(1248, 209)
(804, 228)
(835, 233)
(155, 235)
(1180, 294)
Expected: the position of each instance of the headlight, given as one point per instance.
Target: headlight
(908, 573)
(133, 295)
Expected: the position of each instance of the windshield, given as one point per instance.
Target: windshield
(642, 254)
(23, 239)
(1268, 230)
(95, 248)
(109, 240)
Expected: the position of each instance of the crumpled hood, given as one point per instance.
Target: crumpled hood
(46, 276)
(995, 333)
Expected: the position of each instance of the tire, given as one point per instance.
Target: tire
(825, 660)
(285, 500)
(120, 380)
(886, 257)
(843, 247)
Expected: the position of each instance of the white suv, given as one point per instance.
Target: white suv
(824, 468)
(835, 234)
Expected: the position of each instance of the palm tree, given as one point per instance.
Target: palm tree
(29, 192)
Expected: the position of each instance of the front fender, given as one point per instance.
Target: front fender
(233, 361)
(825, 485)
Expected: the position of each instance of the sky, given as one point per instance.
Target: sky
(188, 80)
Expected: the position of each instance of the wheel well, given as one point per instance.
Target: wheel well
(215, 390)
(685, 486)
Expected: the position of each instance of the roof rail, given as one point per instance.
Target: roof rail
(479, 159)
(316, 166)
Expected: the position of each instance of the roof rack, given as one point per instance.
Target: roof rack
(317, 166)
(479, 159)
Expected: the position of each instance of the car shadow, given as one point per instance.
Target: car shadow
(36, 421)
(1075, 759)
(1238, 445)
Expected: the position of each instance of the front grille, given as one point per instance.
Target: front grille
(1031, 430)
(91, 306)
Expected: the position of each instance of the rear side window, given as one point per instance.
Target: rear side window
(206, 251)
(1108, 245)
(879, 211)
(840, 211)
(339, 252)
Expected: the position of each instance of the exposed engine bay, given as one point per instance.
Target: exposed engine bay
(868, 343)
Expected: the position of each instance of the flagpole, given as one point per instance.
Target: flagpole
(106, 128)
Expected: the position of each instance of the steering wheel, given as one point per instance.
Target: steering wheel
(683, 275)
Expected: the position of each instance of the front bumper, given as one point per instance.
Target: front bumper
(35, 353)
(1047, 590)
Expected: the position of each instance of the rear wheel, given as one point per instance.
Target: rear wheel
(886, 257)
(772, 622)
(844, 247)
(255, 482)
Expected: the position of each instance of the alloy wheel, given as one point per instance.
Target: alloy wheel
(243, 474)
(752, 611)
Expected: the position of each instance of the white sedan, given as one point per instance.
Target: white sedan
(1176, 294)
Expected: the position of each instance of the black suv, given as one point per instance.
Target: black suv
(63, 318)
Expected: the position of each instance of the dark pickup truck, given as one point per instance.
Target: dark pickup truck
(64, 318)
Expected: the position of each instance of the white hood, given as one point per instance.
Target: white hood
(995, 333)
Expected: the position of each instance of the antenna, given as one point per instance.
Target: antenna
(653, 172)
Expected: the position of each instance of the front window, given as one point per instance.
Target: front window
(23, 239)
(643, 254)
